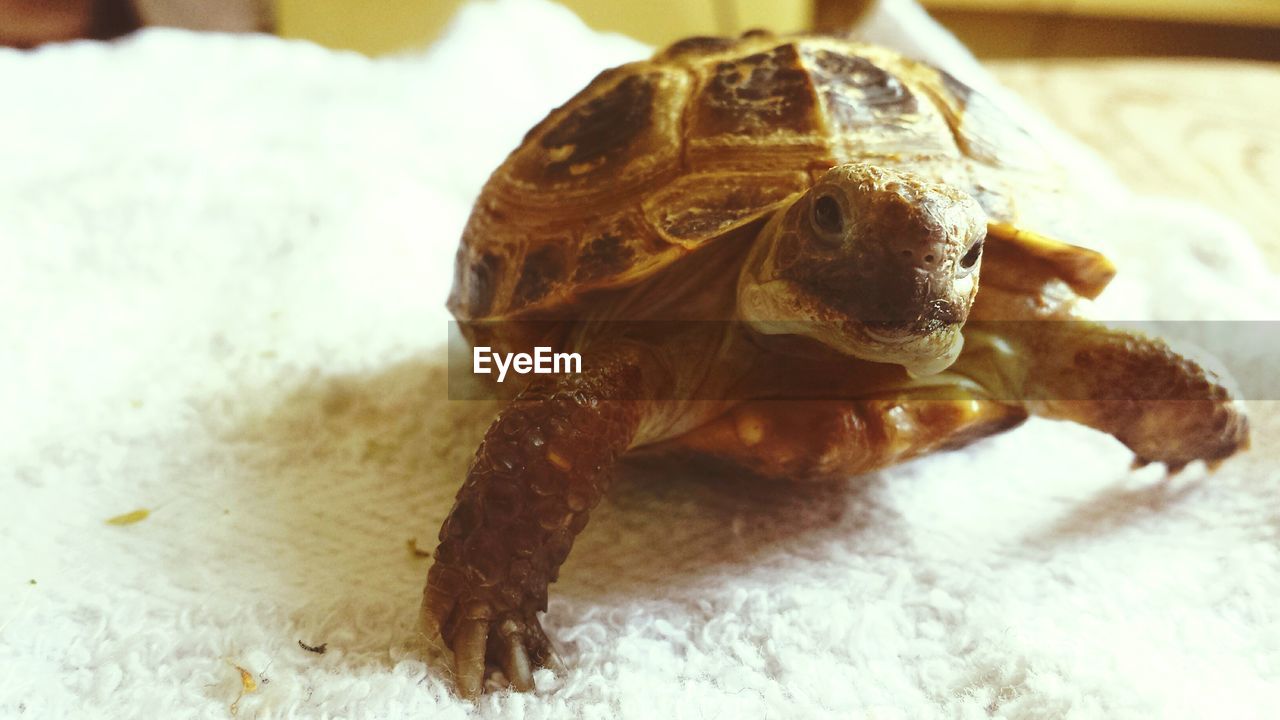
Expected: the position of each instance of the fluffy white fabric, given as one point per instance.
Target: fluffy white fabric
(224, 261)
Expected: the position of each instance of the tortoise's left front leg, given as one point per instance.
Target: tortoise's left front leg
(544, 463)
(1164, 406)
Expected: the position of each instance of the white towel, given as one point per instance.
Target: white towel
(223, 261)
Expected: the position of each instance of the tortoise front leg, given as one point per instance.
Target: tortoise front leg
(1165, 407)
(544, 463)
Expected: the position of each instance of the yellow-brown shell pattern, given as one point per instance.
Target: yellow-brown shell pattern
(655, 159)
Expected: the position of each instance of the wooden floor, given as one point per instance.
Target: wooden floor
(1199, 129)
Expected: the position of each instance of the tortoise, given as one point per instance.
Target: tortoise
(807, 217)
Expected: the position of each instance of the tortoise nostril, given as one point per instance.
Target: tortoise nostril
(906, 253)
(929, 258)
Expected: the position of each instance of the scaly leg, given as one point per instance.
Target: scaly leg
(1026, 342)
(544, 463)
(1163, 406)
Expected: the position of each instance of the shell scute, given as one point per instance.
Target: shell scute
(759, 94)
(543, 268)
(618, 136)
(857, 92)
(475, 281)
(983, 131)
(697, 208)
(617, 248)
(604, 255)
(594, 136)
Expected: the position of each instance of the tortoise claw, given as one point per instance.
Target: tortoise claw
(468, 656)
(481, 641)
(516, 664)
(482, 638)
(520, 646)
(545, 654)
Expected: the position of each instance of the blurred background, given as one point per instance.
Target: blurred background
(992, 28)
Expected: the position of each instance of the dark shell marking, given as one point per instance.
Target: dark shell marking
(477, 279)
(542, 268)
(595, 134)
(857, 92)
(606, 255)
(757, 95)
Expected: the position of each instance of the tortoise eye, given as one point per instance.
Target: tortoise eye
(970, 258)
(827, 217)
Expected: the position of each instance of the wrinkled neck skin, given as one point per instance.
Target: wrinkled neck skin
(698, 358)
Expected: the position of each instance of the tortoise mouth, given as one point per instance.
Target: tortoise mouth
(911, 305)
(896, 332)
(890, 333)
(923, 348)
(924, 345)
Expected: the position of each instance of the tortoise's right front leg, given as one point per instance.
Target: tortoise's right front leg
(544, 463)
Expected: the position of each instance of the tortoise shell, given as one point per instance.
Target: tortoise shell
(656, 160)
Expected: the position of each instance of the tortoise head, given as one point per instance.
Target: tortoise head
(878, 264)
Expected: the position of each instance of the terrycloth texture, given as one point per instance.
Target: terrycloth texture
(224, 262)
